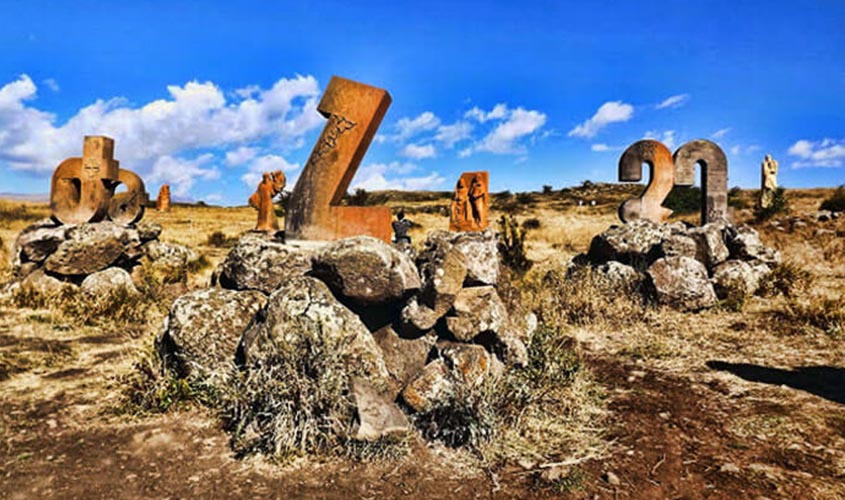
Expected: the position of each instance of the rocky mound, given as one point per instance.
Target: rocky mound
(406, 330)
(686, 267)
(96, 257)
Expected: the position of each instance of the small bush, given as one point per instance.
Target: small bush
(531, 224)
(779, 206)
(735, 199)
(359, 198)
(220, 240)
(547, 190)
(787, 279)
(512, 245)
(525, 198)
(836, 202)
(735, 295)
(684, 200)
(802, 315)
(19, 213)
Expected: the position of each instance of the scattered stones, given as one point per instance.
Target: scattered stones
(682, 282)
(260, 262)
(612, 479)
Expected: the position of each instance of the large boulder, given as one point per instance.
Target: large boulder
(403, 357)
(202, 331)
(378, 416)
(735, 275)
(36, 242)
(468, 363)
(107, 282)
(674, 245)
(148, 231)
(618, 275)
(443, 269)
(303, 315)
(366, 271)
(480, 251)
(170, 255)
(710, 241)
(259, 262)
(682, 282)
(432, 386)
(744, 243)
(89, 248)
(41, 283)
(476, 310)
(628, 243)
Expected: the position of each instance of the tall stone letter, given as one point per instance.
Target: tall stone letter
(354, 112)
(163, 200)
(768, 181)
(659, 159)
(81, 188)
(128, 207)
(714, 176)
(470, 206)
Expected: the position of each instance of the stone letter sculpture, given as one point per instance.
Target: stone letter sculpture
(659, 160)
(470, 207)
(163, 200)
(81, 188)
(769, 184)
(128, 207)
(714, 176)
(354, 112)
(262, 200)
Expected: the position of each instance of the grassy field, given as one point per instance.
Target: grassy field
(733, 402)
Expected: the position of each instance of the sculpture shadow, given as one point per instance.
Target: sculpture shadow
(824, 381)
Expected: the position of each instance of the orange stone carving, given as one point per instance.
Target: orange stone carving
(163, 200)
(128, 207)
(662, 171)
(272, 183)
(471, 204)
(354, 112)
(81, 188)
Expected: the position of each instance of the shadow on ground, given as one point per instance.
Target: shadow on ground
(824, 381)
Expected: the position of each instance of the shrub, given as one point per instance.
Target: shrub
(735, 199)
(684, 200)
(524, 198)
(512, 245)
(801, 315)
(547, 190)
(220, 240)
(19, 213)
(836, 202)
(779, 206)
(787, 279)
(532, 223)
(359, 198)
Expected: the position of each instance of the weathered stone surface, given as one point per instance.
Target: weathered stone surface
(261, 263)
(416, 318)
(620, 275)
(661, 181)
(127, 207)
(378, 416)
(733, 275)
(90, 248)
(714, 176)
(480, 252)
(366, 270)
(148, 231)
(675, 245)
(432, 386)
(303, 311)
(629, 243)
(202, 331)
(36, 242)
(745, 244)
(403, 357)
(710, 239)
(354, 112)
(470, 205)
(42, 283)
(476, 310)
(469, 363)
(169, 254)
(682, 282)
(108, 281)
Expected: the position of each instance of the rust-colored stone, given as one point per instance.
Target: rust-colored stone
(128, 207)
(714, 176)
(354, 112)
(470, 206)
(81, 188)
(662, 168)
(272, 183)
(163, 200)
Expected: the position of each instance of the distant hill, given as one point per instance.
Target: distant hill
(34, 198)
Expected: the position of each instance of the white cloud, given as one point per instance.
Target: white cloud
(240, 156)
(409, 127)
(498, 112)
(181, 173)
(266, 163)
(418, 152)
(51, 84)
(823, 153)
(600, 148)
(451, 134)
(675, 101)
(667, 137)
(736, 150)
(382, 176)
(609, 112)
(504, 138)
(720, 133)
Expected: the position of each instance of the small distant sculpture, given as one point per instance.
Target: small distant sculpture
(83, 189)
(470, 206)
(272, 183)
(400, 229)
(163, 200)
(769, 181)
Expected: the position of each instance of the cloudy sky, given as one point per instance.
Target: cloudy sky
(205, 97)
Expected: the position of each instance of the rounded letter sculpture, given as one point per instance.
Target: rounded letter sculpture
(662, 168)
(714, 176)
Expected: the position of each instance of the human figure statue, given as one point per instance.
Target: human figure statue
(163, 200)
(769, 181)
(478, 202)
(460, 205)
(400, 229)
(272, 183)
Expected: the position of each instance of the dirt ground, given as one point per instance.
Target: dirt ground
(721, 404)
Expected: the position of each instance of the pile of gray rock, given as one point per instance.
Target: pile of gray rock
(686, 267)
(95, 257)
(412, 328)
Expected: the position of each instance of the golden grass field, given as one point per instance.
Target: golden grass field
(725, 403)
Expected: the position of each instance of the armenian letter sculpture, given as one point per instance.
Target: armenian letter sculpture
(662, 167)
(163, 200)
(82, 189)
(714, 176)
(769, 181)
(354, 112)
(262, 200)
(470, 206)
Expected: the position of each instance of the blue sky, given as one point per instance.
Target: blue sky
(207, 96)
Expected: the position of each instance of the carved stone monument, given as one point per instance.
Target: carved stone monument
(662, 167)
(83, 189)
(769, 181)
(471, 204)
(354, 112)
(262, 200)
(163, 200)
(714, 176)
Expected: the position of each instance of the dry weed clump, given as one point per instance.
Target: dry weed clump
(787, 279)
(802, 315)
